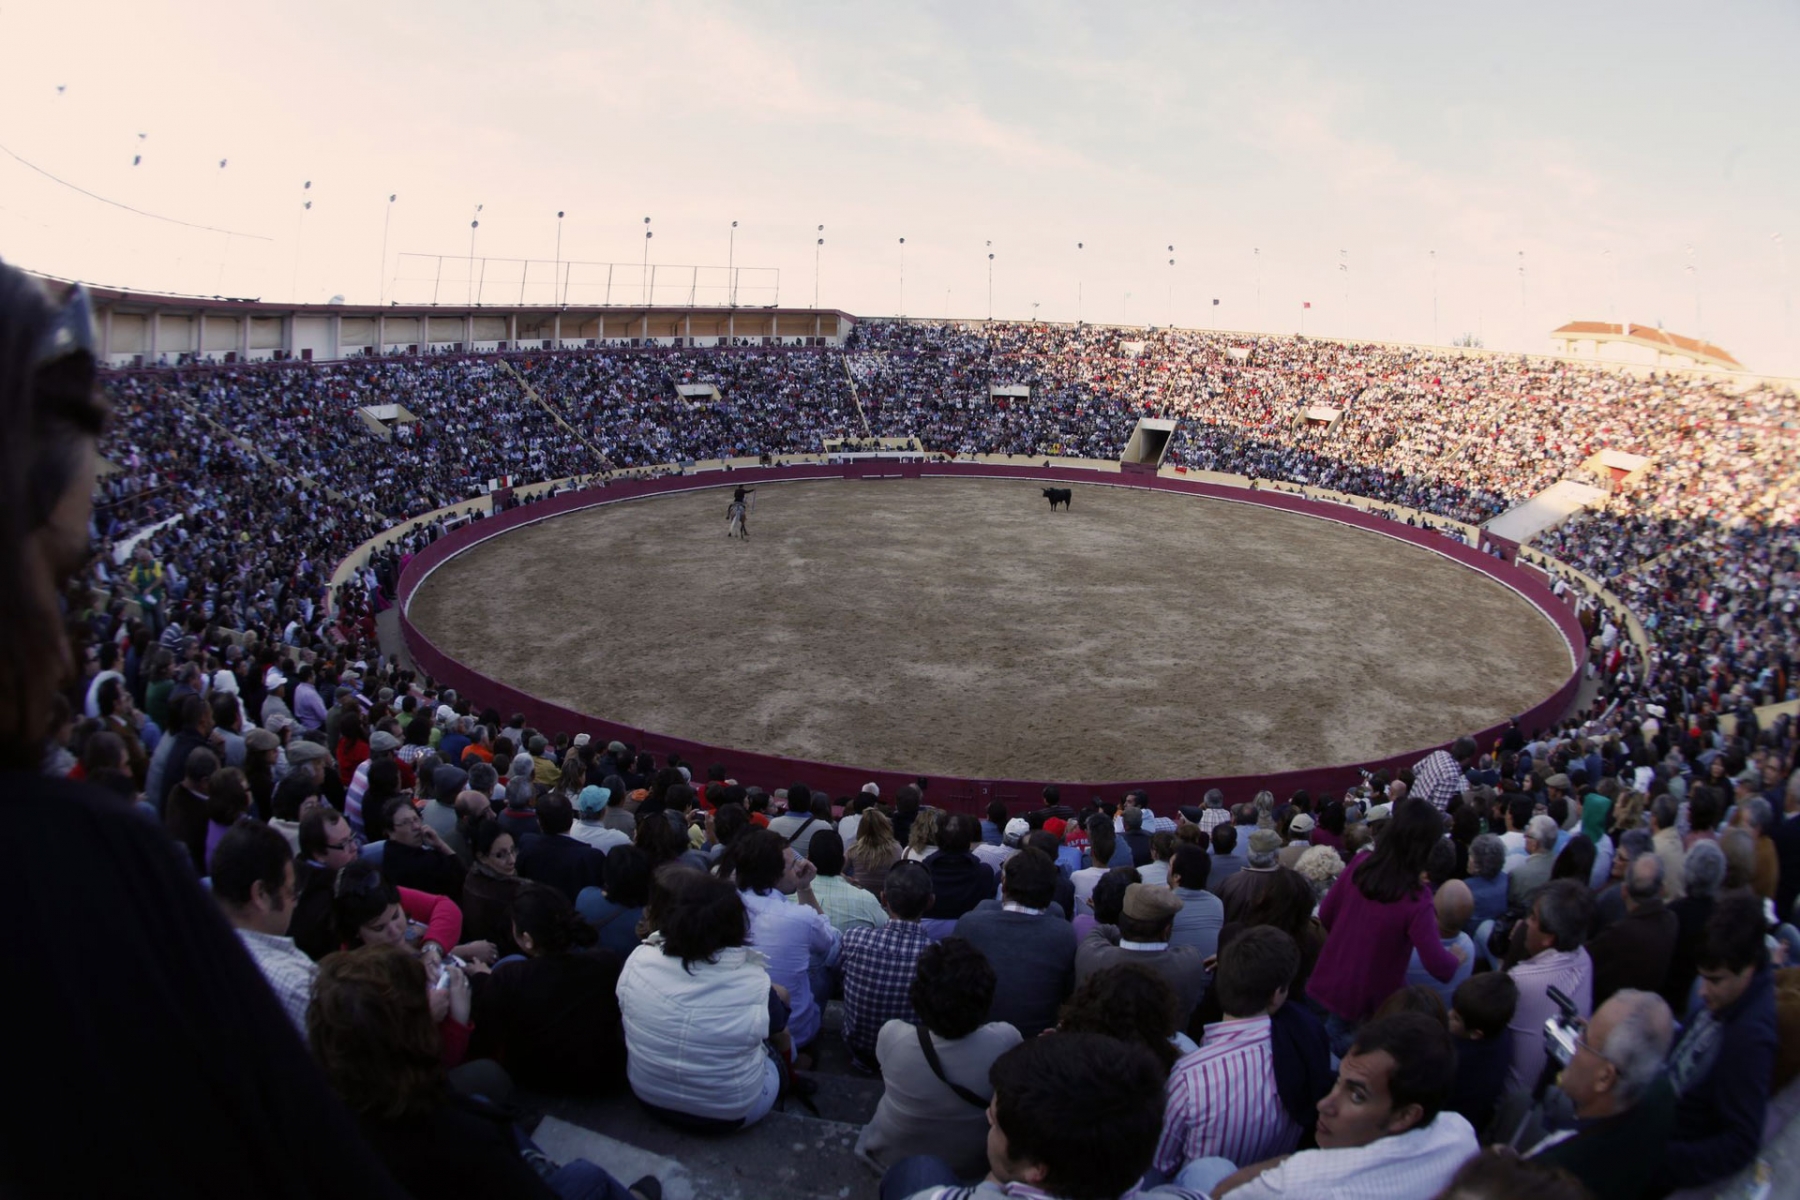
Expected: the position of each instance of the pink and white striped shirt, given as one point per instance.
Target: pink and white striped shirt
(1222, 1101)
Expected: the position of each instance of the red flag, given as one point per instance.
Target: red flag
(1306, 304)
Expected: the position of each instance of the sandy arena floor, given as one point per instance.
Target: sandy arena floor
(960, 627)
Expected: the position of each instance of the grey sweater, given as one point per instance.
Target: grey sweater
(1033, 958)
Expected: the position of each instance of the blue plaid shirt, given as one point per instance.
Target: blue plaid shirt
(879, 965)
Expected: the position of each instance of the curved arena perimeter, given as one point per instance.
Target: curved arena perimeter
(957, 627)
(257, 480)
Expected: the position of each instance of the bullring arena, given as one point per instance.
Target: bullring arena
(957, 626)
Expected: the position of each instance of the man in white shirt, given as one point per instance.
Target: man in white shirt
(253, 882)
(794, 935)
(1011, 839)
(1383, 1131)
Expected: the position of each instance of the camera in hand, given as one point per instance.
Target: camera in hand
(1563, 1030)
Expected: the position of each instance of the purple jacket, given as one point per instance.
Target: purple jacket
(1369, 946)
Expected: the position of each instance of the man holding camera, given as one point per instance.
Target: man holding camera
(1624, 1105)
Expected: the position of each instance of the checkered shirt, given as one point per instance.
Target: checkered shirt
(879, 965)
(1212, 818)
(1437, 778)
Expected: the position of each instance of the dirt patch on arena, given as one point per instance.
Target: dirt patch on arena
(959, 627)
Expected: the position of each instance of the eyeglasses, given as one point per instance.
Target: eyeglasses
(353, 842)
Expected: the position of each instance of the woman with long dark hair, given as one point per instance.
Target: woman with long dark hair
(1374, 918)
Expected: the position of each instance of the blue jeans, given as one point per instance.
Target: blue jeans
(915, 1174)
(582, 1180)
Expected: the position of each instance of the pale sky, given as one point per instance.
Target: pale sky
(1616, 146)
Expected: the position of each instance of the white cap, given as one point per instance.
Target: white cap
(1016, 829)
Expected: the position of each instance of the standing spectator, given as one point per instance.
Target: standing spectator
(1704, 875)
(880, 962)
(1635, 951)
(1554, 958)
(1375, 918)
(936, 1072)
(1441, 776)
(1722, 1067)
(1624, 1106)
(1453, 903)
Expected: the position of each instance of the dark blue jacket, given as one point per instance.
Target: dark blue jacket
(1719, 1119)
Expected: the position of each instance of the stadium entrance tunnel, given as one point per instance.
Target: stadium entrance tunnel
(1148, 443)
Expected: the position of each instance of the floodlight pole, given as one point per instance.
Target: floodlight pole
(381, 275)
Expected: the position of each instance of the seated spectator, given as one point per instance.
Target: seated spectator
(327, 845)
(227, 803)
(1101, 844)
(1073, 1115)
(1384, 1132)
(1142, 936)
(1046, 843)
(1202, 914)
(1227, 859)
(936, 1072)
(1480, 1013)
(1135, 836)
(793, 936)
(490, 888)
(1162, 848)
(551, 1016)
(1554, 958)
(1129, 1002)
(1321, 867)
(1526, 875)
(1487, 880)
(552, 857)
(616, 907)
(1498, 1172)
(253, 881)
(1636, 950)
(879, 962)
(372, 1032)
(1453, 905)
(1609, 902)
(1242, 889)
(1031, 949)
(590, 821)
(867, 859)
(808, 813)
(697, 1008)
(1225, 1100)
(1722, 1066)
(1107, 902)
(1624, 1106)
(846, 906)
(519, 817)
(921, 835)
(184, 811)
(993, 826)
(1006, 843)
(959, 880)
(414, 856)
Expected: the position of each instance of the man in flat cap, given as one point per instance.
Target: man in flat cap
(1142, 936)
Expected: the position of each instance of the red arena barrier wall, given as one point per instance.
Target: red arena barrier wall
(963, 794)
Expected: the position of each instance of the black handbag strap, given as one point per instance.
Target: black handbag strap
(802, 829)
(937, 1068)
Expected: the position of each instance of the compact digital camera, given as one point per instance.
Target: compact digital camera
(1563, 1030)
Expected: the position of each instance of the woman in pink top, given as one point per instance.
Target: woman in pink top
(1375, 916)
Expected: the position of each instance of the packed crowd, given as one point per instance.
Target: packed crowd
(1462, 437)
(1569, 943)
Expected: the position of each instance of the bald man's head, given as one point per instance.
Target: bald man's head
(1455, 904)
